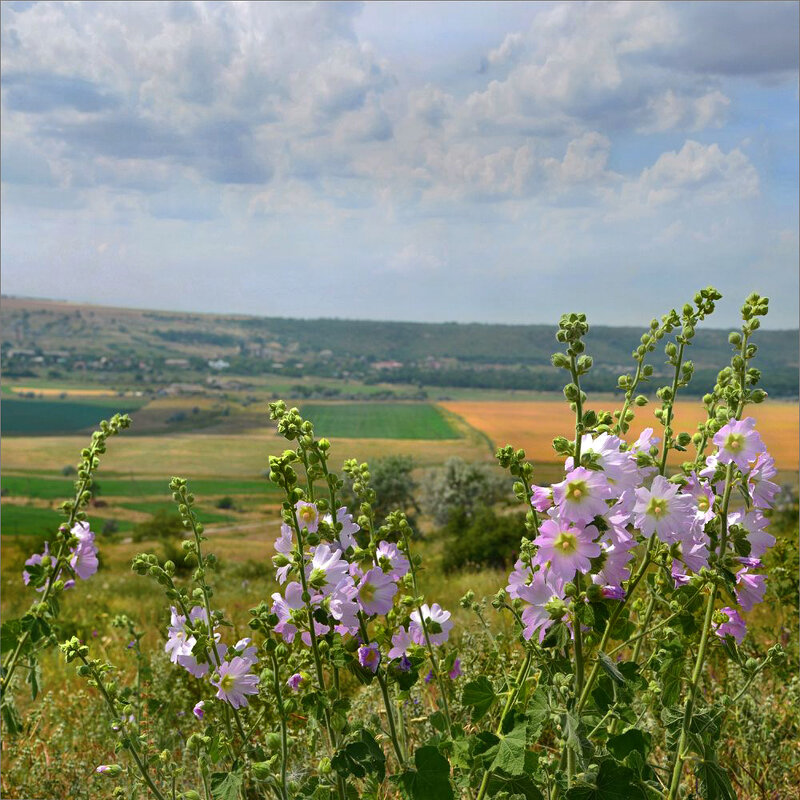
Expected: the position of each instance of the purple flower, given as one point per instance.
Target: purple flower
(327, 569)
(703, 498)
(307, 516)
(405, 664)
(283, 546)
(349, 528)
(539, 596)
(541, 498)
(35, 560)
(247, 651)
(294, 681)
(112, 770)
(401, 641)
(236, 681)
(582, 495)
(437, 621)
(738, 442)
(661, 510)
(645, 441)
(389, 558)
(131, 644)
(749, 589)
(619, 468)
(755, 523)
(455, 670)
(369, 656)
(732, 624)
(429, 677)
(376, 592)
(198, 709)
(762, 489)
(566, 548)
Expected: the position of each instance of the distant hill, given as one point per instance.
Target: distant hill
(428, 354)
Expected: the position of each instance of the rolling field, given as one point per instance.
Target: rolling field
(34, 417)
(532, 426)
(378, 420)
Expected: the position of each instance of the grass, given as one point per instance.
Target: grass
(378, 420)
(62, 488)
(44, 417)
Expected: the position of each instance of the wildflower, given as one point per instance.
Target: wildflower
(282, 607)
(295, 681)
(541, 498)
(762, 489)
(391, 560)
(179, 641)
(376, 592)
(455, 670)
(738, 442)
(645, 442)
(84, 560)
(247, 651)
(235, 681)
(614, 569)
(749, 589)
(429, 676)
(436, 620)
(405, 664)
(112, 770)
(326, 570)
(582, 495)
(695, 554)
(283, 546)
(369, 656)
(519, 577)
(198, 709)
(401, 641)
(566, 548)
(661, 510)
(35, 560)
(755, 523)
(307, 516)
(619, 468)
(730, 624)
(539, 613)
(349, 528)
(703, 499)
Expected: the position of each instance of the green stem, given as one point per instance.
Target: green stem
(284, 735)
(513, 693)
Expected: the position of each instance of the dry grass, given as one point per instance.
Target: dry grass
(533, 425)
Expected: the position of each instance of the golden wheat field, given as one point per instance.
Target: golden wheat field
(532, 426)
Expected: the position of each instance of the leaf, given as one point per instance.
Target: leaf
(538, 712)
(431, 779)
(611, 668)
(511, 750)
(12, 721)
(614, 782)
(10, 632)
(438, 721)
(713, 781)
(576, 738)
(226, 785)
(34, 677)
(514, 785)
(360, 756)
(478, 695)
(632, 740)
(671, 671)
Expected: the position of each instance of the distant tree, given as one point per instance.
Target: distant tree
(225, 502)
(461, 487)
(394, 486)
(486, 539)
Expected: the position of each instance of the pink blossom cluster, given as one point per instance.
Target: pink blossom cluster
(591, 522)
(82, 559)
(352, 585)
(230, 668)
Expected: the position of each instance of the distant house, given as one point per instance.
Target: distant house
(176, 362)
(387, 364)
(218, 363)
(182, 388)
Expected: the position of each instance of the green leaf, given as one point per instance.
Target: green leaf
(10, 632)
(431, 779)
(511, 750)
(479, 695)
(360, 756)
(515, 784)
(611, 668)
(671, 672)
(12, 721)
(713, 781)
(613, 782)
(226, 785)
(628, 742)
(538, 712)
(34, 677)
(438, 721)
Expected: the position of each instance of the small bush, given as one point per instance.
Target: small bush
(486, 539)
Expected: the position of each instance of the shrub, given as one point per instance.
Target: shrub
(484, 539)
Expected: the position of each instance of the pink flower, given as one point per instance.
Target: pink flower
(755, 523)
(283, 546)
(661, 510)
(389, 558)
(738, 442)
(307, 515)
(401, 641)
(733, 625)
(369, 656)
(247, 651)
(455, 671)
(538, 596)
(198, 709)
(349, 528)
(294, 681)
(235, 681)
(541, 498)
(645, 441)
(703, 498)
(566, 549)
(762, 489)
(437, 621)
(749, 589)
(376, 592)
(582, 495)
(84, 560)
(620, 468)
(35, 560)
(327, 569)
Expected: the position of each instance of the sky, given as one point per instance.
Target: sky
(489, 162)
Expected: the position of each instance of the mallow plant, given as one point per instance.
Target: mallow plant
(635, 574)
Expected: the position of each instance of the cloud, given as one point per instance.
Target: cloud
(36, 94)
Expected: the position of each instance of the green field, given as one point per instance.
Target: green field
(154, 507)
(62, 488)
(44, 417)
(32, 521)
(378, 421)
